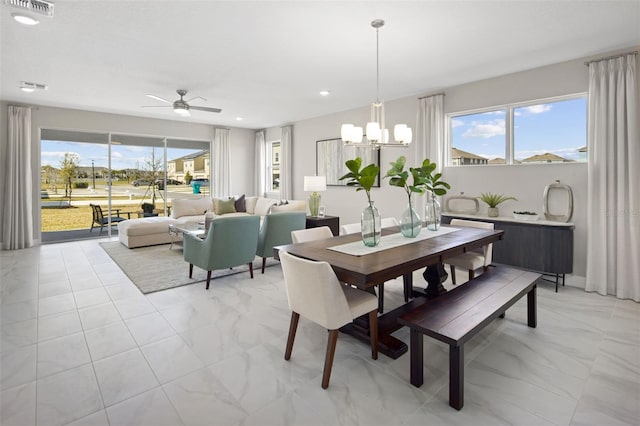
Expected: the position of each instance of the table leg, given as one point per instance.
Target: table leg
(532, 320)
(435, 275)
(416, 357)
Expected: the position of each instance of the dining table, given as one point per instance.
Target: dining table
(396, 256)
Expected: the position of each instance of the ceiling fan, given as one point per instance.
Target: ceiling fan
(181, 106)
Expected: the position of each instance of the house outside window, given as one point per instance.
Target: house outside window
(538, 132)
(273, 160)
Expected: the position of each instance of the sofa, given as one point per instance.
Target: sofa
(148, 231)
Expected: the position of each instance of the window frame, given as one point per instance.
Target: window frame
(509, 127)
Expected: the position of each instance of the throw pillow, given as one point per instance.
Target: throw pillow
(240, 204)
(226, 206)
(250, 204)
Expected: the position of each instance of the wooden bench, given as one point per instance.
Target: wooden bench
(458, 315)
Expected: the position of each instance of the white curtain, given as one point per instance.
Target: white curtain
(221, 185)
(430, 135)
(261, 170)
(16, 183)
(613, 251)
(286, 163)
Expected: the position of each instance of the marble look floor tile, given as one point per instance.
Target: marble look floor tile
(53, 288)
(56, 304)
(124, 375)
(82, 282)
(99, 418)
(67, 396)
(150, 408)
(133, 307)
(18, 367)
(290, 410)
(91, 297)
(122, 291)
(98, 316)
(165, 299)
(20, 311)
(551, 406)
(171, 358)
(149, 328)
(212, 343)
(19, 289)
(18, 405)
(362, 393)
(62, 354)
(18, 334)
(199, 397)
(109, 340)
(58, 325)
(260, 375)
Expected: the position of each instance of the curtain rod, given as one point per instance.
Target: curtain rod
(611, 57)
(428, 96)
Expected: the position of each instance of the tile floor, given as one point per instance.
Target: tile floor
(81, 346)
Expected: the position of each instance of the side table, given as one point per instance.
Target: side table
(333, 222)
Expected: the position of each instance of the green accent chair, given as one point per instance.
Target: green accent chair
(276, 231)
(231, 241)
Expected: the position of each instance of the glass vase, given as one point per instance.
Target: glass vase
(410, 224)
(370, 226)
(432, 213)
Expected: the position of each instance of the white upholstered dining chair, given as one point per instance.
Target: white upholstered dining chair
(314, 292)
(311, 234)
(473, 259)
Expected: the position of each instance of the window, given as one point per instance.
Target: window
(546, 131)
(273, 156)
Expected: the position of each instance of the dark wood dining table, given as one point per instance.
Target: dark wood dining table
(370, 270)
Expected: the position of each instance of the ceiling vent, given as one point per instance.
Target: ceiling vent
(40, 7)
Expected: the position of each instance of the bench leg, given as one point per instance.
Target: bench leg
(532, 318)
(416, 358)
(456, 376)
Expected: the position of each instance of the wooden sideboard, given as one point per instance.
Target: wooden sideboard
(541, 245)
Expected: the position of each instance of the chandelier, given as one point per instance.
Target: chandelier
(377, 135)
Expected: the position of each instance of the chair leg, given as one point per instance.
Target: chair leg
(251, 269)
(191, 270)
(328, 360)
(264, 262)
(472, 274)
(373, 333)
(293, 326)
(208, 279)
(453, 274)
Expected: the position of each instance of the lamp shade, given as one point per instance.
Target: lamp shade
(373, 131)
(315, 183)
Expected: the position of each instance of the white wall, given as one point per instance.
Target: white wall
(525, 182)
(242, 140)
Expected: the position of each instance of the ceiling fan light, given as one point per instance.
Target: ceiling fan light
(182, 111)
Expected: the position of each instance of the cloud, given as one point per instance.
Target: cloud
(486, 129)
(499, 112)
(57, 154)
(456, 123)
(537, 109)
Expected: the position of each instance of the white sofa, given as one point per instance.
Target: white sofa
(150, 231)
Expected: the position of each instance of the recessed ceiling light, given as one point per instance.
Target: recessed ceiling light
(25, 19)
(238, 118)
(324, 93)
(27, 86)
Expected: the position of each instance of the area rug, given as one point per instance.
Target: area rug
(157, 268)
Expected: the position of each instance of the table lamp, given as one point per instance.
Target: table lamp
(315, 184)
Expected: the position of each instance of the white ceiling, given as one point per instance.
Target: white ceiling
(266, 61)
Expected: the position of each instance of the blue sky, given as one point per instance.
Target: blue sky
(122, 156)
(556, 127)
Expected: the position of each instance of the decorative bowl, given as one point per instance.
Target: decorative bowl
(525, 216)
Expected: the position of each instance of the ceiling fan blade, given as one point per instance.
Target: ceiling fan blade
(158, 98)
(197, 97)
(199, 108)
(156, 106)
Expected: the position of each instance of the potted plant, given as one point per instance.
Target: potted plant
(410, 223)
(363, 179)
(493, 200)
